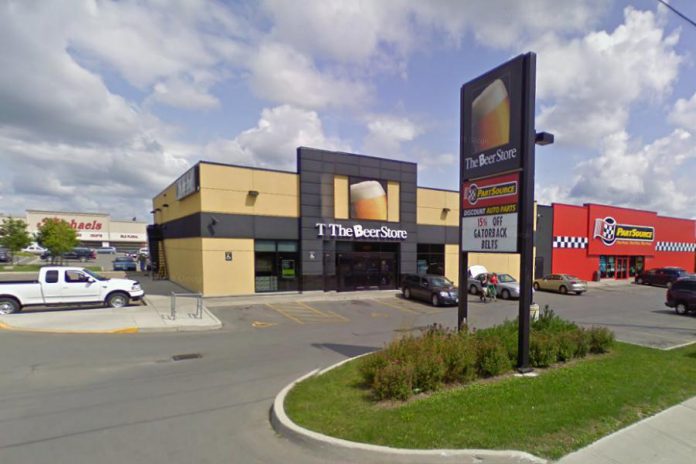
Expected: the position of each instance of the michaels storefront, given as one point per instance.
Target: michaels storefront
(342, 222)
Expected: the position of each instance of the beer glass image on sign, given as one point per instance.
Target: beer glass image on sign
(368, 200)
(490, 125)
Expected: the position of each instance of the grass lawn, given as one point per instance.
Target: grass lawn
(36, 267)
(551, 415)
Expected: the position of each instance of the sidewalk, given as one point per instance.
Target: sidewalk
(319, 295)
(665, 438)
(154, 315)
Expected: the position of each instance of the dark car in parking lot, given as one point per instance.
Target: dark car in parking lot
(78, 253)
(661, 276)
(436, 289)
(682, 295)
(5, 255)
(124, 264)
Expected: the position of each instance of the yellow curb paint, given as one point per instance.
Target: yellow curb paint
(400, 308)
(262, 325)
(126, 330)
(278, 310)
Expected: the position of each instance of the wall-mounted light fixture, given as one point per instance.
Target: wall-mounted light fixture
(213, 220)
(543, 138)
(166, 205)
(445, 210)
(253, 193)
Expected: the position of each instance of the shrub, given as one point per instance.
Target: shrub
(549, 322)
(601, 339)
(543, 350)
(582, 343)
(369, 365)
(506, 333)
(459, 358)
(428, 370)
(491, 357)
(394, 381)
(566, 345)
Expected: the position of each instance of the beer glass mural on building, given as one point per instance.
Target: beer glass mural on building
(368, 200)
(490, 123)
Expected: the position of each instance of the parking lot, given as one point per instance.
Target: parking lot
(636, 314)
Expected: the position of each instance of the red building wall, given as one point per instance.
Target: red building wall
(570, 221)
(673, 233)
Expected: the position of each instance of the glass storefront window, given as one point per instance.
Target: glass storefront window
(275, 265)
(430, 259)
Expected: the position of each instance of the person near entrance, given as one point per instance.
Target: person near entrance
(492, 290)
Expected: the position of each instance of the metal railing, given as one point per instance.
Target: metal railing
(197, 306)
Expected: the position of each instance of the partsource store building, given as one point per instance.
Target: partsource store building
(341, 222)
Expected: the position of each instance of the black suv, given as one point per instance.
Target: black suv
(436, 289)
(79, 253)
(661, 276)
(682, 296)
(5, 255)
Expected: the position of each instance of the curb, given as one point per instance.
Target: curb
(124, 330)
(286, 427)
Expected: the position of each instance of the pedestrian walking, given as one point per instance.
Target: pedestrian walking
(142, 259)
(484, 287)
(492, 287)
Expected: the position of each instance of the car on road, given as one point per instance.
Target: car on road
(78, 253)
(661, 276)
(35, 248)
(5, 255)
(62, 285)
(507, 286)
(106, 250)
(562, 283)
(681, 295)
(124, 263)
(436, 289)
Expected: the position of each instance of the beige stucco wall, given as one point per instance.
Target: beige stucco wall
(223, 277)
(225, 189)
(185, 262)
(430, 206)
(393, 189)
(341, 200)
(177, 208)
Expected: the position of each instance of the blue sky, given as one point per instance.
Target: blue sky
(102, 104)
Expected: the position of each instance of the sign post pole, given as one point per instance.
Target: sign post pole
(526, 236)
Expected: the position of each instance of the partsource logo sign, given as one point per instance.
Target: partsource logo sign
(505, 189)
(609, 231)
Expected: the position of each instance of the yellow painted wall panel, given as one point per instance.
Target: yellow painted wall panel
(393, 197)
(501, 263)
(185, 263)
(452, 263)
(177, 208)
(341, 197)
(221, 177)
(431, 205)
(223, 277)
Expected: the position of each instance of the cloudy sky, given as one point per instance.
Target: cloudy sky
(103, 104)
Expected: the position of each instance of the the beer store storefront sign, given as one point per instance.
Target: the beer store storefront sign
(358, 231)
(489, 214)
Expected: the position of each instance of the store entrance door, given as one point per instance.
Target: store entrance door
(621, 267)
(366, 271)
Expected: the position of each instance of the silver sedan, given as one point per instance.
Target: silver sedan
(562, 283)
(507, 286)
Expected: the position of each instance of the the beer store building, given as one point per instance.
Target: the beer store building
(340, 222)
(604, 242)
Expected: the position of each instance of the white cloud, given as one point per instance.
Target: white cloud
(386, 134)
(684, 113)
(273, 142)
(282, 74)
(592, 82)
(644, 178)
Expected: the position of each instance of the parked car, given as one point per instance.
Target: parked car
(5, 255)
(661, 276)
(144, 251)
(507, 286)
(58, 285)
(124, 264)
(562, 283)
(433, 288)
(35, 249)
(106, 250)
(682, 295)
(79, 253)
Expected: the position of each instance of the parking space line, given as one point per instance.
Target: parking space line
(400, 308)
(329, 314)
(283, 313)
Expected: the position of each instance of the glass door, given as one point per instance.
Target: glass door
(622, 267)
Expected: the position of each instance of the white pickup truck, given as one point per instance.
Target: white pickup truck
(58, 285)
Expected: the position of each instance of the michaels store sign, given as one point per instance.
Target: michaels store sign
(358, 231)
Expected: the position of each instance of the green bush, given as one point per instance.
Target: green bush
(369, 365)
(566, 346)
(582, 343)
(459, 359)
(506, 333)
(428, 371)
(601, 339)
(543, 349)
(549, 322)
(491, 357)
(394, 381)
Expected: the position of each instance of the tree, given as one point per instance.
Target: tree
(14, 235)
(57, 236)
